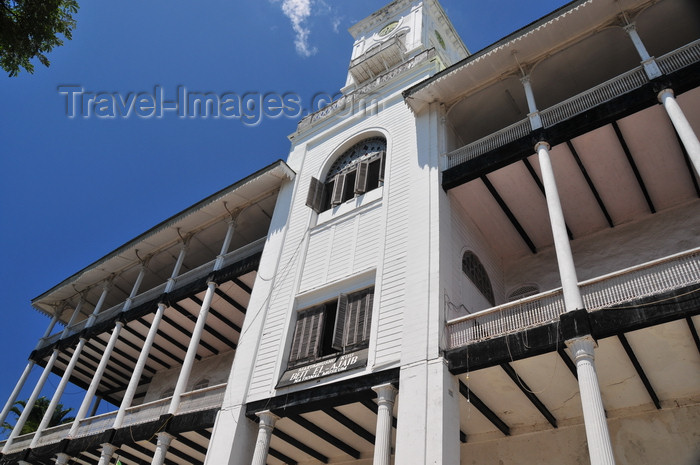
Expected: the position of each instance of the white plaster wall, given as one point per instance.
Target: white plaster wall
(393, 221)
(656, 236)
(465, 235)
(215, 368)
(669, 437)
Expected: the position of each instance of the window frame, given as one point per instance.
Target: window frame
(475, 271)
(324, 330)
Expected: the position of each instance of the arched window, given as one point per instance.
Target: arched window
(475, 271)
(356, 171)
(526, 290)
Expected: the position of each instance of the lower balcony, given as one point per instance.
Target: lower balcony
(610, 291)
(201, 400)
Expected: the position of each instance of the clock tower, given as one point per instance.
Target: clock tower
(397, 33)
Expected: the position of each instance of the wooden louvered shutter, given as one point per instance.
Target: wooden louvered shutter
(307, 335)
(359, 318)
(338, 188)
(361, 177)
(382, 157)
(316, 196)
(340, 319)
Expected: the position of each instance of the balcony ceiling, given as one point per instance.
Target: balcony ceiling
(663, 180)
(667, 355)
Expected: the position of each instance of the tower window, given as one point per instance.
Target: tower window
(358, 170)
(338, 326)
(475, 271)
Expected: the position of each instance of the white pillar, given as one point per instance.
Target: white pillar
(108, 451)
(262, 444)
(599, 446)
(135, 287)
(164, 440)
(138, 369)
(565, 259)
(685, 131)
(386, 395)
(178, 264)
(192, 349)
(99, 305)
(27, 369)
(59, 392)
(227, 243)
(533, 113)
(73, 317)
(650, 67)
(30, 402)
(96, 378)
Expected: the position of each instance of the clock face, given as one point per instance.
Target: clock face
(388, 28)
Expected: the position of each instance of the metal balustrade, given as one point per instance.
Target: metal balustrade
(96, 424)
(680, 58)
(619, 85)
(491, 142)
(593, 97)
(54, 434)
(627, 285)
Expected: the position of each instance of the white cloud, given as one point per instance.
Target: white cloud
(298, 11)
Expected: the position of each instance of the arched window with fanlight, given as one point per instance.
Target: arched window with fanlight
(475, 271)
(358, 170)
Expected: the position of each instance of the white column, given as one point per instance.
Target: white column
(108, 451)
(386, 395)
(565, 259)
(178, 264)
(685, 131)
(59, 392)
(138, 369)
(227, 243)
(27, 369)
(164, 440)
(533, 113)
(73, 317)
(599, 446)
(135, 287)
(192, 349)
(262, 443)
(650, 67)
(99, 305)
(30, 402)
(96, 378)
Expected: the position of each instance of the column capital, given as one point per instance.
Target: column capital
(385, 392)
(267, 419)
(582, 347)
(542, 143)
(108, 449)
(212, 283)
(630, 27)
(667, 92)
(62, 458)
(164, 439)
(525, 78)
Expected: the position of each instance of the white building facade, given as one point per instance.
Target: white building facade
(466, 259)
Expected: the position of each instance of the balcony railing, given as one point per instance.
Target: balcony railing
(620, 85)
(640, 281)
(185, 278)
(194, 401)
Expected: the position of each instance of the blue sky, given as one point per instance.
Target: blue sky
(72, 190)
